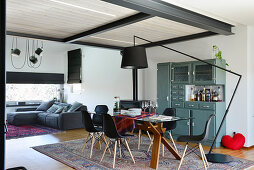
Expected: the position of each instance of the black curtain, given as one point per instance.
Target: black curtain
(34, 78)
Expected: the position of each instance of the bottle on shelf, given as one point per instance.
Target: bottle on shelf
(192, 96)
(208, 95)
(198, 95)
(215, 96)
(203, 94)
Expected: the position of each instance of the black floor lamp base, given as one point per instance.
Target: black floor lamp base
(218, 158)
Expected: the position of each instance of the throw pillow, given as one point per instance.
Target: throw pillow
(52, 109)
(45, 105)
(59, 110)
(65, 108)
(75, 106)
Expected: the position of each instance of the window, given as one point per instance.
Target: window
(30, 92)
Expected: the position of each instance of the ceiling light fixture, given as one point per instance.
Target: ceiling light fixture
(15, 52)
(32, 58)
(113, 40)
(134, 58)
(80, 7)
(39, 50)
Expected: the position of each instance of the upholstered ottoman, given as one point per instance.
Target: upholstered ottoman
(22, 118)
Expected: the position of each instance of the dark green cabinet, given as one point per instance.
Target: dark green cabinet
(180, 73)
(163, 84)
(183, 126)
(172, 91)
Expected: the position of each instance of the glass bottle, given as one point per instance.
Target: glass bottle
(215, 96)
(192, 96)
(208, 95)
(198, 95)
(203, 94)
(116, 108)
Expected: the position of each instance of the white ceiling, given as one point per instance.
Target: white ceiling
(61, 18)
(231, 11)
(155, 29)
(64, 18)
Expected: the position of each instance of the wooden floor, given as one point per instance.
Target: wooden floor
(20, 153)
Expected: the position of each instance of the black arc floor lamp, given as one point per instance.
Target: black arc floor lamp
(136, 55)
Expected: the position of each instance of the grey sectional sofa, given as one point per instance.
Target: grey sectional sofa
(63, 121)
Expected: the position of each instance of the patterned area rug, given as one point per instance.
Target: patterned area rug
(28, 130)
(70, 154)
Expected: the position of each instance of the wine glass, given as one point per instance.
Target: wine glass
(146, 105)
(155, 106)
(151, 103)
(143, 105)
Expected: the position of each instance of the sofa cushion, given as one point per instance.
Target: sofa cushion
(45, 105)
(22, 118)
(75, 106)
(65, 106)
(41, 117)
(59, 110)
(82, 108)
(53, 108)
(52, 120)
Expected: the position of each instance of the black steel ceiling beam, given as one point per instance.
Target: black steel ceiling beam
(179, 39)
(18, 34)
(165, 10)
(97, 45)
(60, 40)
(110, 26)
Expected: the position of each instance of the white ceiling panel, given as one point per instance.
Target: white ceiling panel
(61, 18)
(153, 29)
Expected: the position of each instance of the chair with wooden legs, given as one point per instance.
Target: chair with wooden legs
(140, 133)
(197, 139)
(100, 110)
(169, 127)
(109, 129)
(94, 134)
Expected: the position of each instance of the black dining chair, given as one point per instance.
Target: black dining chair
(109, 128)
(93, 133)
(100, 110)
(169, 127)
(196, 139)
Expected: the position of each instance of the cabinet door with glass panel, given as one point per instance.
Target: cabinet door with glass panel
(204, 73)
(180, 73)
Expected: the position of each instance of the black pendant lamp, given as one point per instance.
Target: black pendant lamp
(134, 58)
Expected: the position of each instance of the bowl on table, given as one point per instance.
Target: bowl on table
(134, 111)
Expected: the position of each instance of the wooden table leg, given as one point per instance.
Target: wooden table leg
(158, 138)
(170, 148)
(156, 146)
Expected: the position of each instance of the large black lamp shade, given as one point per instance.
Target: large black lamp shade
(134, 58)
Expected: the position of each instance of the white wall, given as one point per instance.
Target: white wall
(53, 57)
(103, 79)
(250, 82)
(102, 76)
(234, 50)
